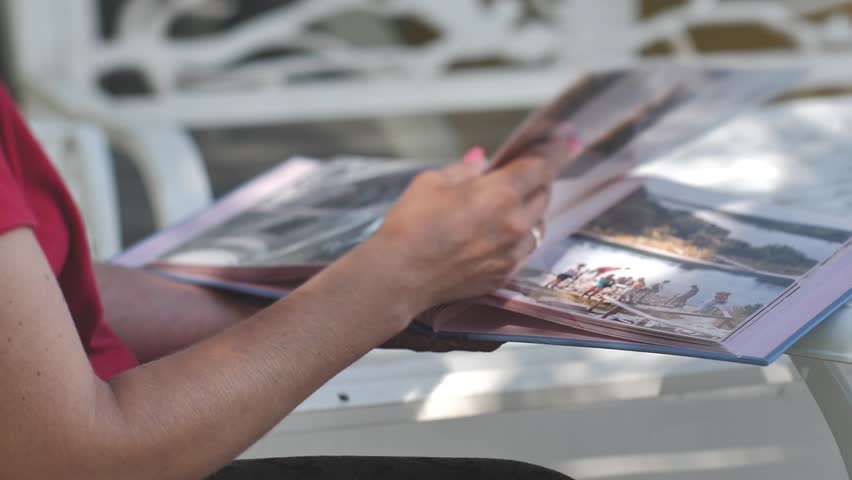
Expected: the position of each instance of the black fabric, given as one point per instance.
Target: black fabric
(383, 468)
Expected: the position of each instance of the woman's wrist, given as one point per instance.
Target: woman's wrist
(373, 277)
(402, 288)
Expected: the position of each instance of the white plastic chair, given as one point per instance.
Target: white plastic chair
(82, 157)
(51, 45)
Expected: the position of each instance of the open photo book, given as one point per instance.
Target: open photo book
(626, 262)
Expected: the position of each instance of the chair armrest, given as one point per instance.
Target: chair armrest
(81, 155)
(171, 168)
(167, 158)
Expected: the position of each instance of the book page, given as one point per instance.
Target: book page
(282, 219)
(308, 212)
(288, 176)
(670, 260)
(622, 118)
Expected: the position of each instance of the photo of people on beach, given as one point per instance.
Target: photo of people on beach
(636, 288)
(675, 261)
(657, 222)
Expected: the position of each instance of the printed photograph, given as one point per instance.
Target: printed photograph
(359, 192)
(620, 135)
(290, 235)
(606, 116)
(554, 124)
(331, 213)
(656, 223)
(634, 287)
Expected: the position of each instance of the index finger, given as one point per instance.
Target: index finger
(562, 147)
(526, 175)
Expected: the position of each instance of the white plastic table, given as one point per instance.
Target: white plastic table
(797, 154)
(790, 154)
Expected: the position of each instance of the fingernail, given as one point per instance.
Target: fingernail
(474, 155)
(564, 131)
(574, 145)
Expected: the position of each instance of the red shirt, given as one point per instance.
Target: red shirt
(32, 195)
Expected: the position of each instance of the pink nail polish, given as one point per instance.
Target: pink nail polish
(474, 155)
(574, 145)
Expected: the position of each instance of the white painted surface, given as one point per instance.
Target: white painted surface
(82, 157)
(727, 431)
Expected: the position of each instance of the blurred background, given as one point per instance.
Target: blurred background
(152, 108)
(244, 84)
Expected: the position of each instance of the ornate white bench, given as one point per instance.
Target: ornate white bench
(332, 59)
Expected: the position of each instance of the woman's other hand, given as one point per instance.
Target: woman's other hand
(419, 342)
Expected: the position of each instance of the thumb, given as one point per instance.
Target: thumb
(472, 165)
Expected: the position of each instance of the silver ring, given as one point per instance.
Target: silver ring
(536, 235)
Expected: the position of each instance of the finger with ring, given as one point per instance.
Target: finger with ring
(537, 236)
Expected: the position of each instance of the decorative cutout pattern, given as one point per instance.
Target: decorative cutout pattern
(298, 41)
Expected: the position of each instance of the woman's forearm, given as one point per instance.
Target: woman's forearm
(156, 316)
(250, 376)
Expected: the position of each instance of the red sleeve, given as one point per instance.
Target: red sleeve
(14, 210)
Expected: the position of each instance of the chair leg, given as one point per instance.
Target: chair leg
(833, 394)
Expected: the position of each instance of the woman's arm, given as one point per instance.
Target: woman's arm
(155, 316)
(188, 413)
(454, 234)
(185, 314)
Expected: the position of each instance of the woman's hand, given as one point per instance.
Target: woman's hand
(459, 232)
(418, 342)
